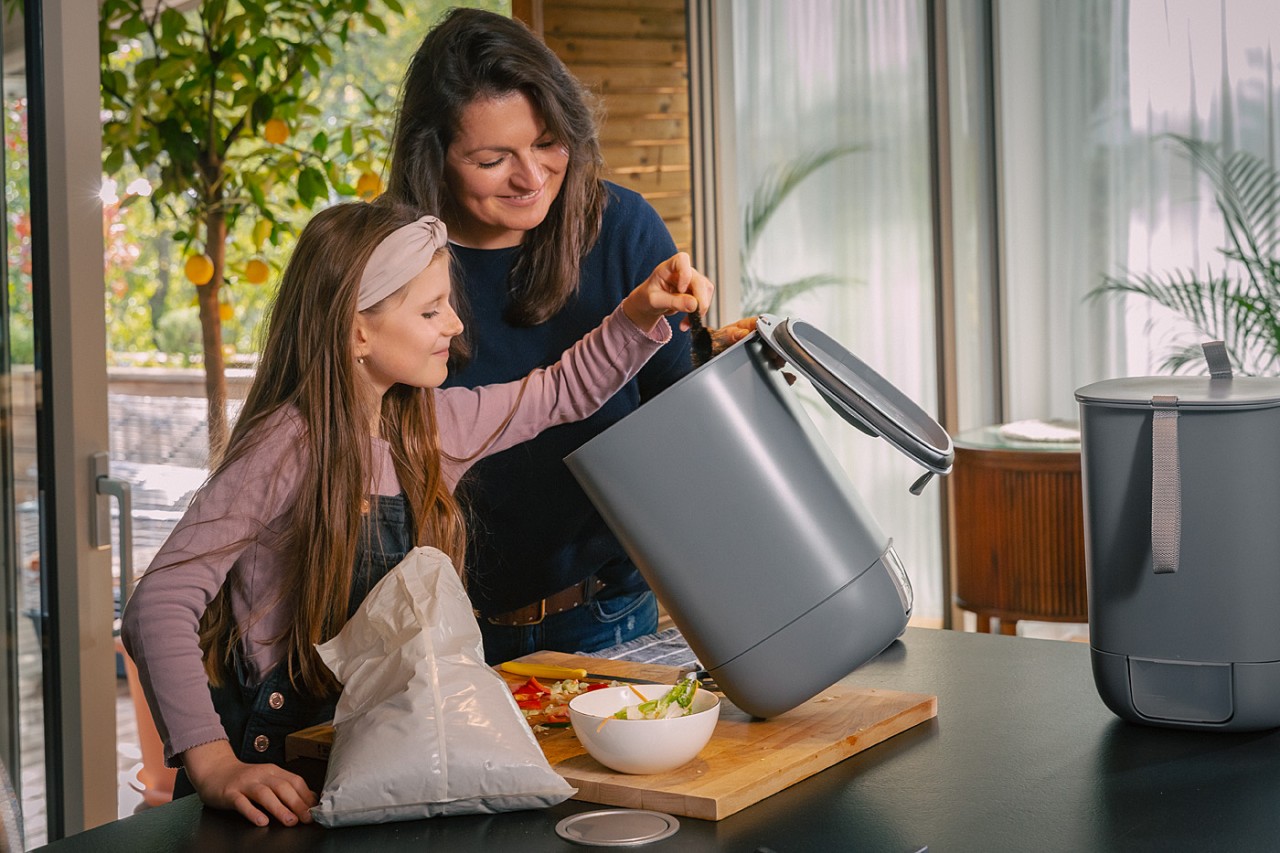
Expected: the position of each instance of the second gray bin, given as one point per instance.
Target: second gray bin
(1182, 522)
(763, 553)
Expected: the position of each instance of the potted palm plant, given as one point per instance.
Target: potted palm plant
(760, 295)
(1238, 304)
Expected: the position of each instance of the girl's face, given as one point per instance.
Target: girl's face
(407, 340)
(503, 170)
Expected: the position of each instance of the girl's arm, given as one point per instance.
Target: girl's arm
(225, 520)
(224, 523)
(481, 421)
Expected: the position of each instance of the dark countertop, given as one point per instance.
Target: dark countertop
(1022, 756)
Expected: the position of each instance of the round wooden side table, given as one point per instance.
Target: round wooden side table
(1019, 530)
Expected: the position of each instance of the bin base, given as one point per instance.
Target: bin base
(1205, 695)
(817, 649)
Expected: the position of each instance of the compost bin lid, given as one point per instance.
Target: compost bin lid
(861, 396)
(1192, 392)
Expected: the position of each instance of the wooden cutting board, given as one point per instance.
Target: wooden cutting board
(746, 759)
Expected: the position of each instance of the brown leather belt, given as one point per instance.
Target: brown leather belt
(558, 602)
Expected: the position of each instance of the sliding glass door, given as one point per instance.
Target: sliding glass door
(57, 590)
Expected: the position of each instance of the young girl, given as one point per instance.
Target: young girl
(343, 458)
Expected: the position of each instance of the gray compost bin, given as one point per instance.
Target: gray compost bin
(763, 553)
(1181, 493)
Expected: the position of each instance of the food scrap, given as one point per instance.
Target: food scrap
(676, 702)
(547, 707)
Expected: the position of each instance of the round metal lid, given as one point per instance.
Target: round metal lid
(861, 396)
(1193, 392)
(617, 827)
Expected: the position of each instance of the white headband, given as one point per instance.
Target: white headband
(402, 255)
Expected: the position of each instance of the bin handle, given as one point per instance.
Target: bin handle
(1215, 355)
(1166, 476)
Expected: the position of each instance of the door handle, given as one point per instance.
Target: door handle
(105, 488)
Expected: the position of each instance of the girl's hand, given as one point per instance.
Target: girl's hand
(255, 790)
(674, 287)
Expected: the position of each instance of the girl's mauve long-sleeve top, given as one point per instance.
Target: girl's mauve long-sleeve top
(232, 530)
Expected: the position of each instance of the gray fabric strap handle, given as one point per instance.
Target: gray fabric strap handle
(1166, 486)
(1166, 476)
(1215, 354)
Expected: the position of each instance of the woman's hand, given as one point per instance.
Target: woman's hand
(255, 790)
(726, 336)
(674, 287)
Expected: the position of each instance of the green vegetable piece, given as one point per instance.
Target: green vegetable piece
(681, 694)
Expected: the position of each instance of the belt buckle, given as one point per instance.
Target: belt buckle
(542, 613)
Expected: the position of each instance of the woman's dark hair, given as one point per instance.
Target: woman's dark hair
(474, 54)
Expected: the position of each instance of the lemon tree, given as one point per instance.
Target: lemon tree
(215, 105)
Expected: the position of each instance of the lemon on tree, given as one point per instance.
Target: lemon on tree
(261, 232)
(368, 185)
(256, 271)
(198, 269)
(275, 131)
(225, 311)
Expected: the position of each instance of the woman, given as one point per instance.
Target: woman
(496, 135)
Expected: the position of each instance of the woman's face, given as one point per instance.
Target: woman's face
(503, 170)
(405, 339)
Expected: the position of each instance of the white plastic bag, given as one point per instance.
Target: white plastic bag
(424, 727)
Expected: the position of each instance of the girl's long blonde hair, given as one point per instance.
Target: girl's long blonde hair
(307, 364)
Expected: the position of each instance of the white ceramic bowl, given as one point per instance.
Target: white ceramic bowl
(641, 746)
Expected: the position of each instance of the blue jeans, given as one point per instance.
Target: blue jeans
(597, 625)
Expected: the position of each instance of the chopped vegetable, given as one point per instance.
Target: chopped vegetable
(676, 702)
(547, 707)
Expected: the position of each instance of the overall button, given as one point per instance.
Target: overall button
(276, 701)
(261, 743)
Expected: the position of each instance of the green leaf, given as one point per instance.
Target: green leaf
(348, 142)
(255, 192)
(320, 142)
(113, 160)
(263, 108)
(311, 186)
(172, 24)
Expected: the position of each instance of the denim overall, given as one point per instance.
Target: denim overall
(257, 717)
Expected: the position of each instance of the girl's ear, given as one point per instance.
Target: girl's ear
(361, 337)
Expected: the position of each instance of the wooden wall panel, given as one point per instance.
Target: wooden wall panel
(634, 56)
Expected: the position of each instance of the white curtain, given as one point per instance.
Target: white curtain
(811, 75)
(1092, 186)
